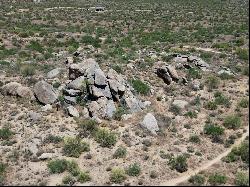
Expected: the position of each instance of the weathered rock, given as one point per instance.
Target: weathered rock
(99, 92)
(46, 156)
(173, 73)
(34, 116)
(77, 84)
(54, 73)
(70, 100)
(196, 85)
(100, 78)
(45, 92)
(110, 109)
(16, 89)
(69, 60)
(72, 92)
(133, 104)
(163, 73)
(73, 112)
(47, 107)
(180, 104)
(150, 123)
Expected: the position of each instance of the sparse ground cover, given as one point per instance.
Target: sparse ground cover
(199, 114)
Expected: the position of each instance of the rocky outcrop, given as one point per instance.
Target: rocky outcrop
(16, 89)
(45, 92)
(150, 123)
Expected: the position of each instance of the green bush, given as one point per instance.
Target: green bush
(179, 163)
(28, 70)
(118, 175)
(220, 99)
(2, 173)
(87, 127)
(83, 177)
(140, 87)
(232, 122)
(194, 74)
(191, 114)
(68, 180)
(121, 152)
(119, 112)
(52, 139)
(216, 179)
(197, 180)
(241, 179)
(176, 110)
(89, 40)
(194, 139)
(244, 103)
(105, 137)
(35, 46)
(5, 133)
(73, 168)
(57, 166)
(213, 130)
(211, 105)
(134, 170)
(212, 82)
(73, 147)
(243, 54)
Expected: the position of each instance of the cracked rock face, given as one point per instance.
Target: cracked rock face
(45, 92)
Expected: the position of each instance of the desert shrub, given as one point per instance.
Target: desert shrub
(73, 147)
(89, 40)
(211, 105)
(179, 163)
(194, 74)
(241, 179)
(243, 54)
(191, 114)
(68, 180)
(216, 179)
(105, 137)
(118, 175)
(197, 180)
(83, 177)
(140, 86)
(214, 131)
(73, 168)
(119, 112)
(28, 70)
(175, 110)
(57, 166)
(133, 170)
(52, 139)
(243, 103)
(5, 133)
(194, 139)
(212, 82)
(35, 46)
(117, 68)
(220, 99)
(225, 76)
(120, 152)
(2, 172)
(232, 122)
(87, 127)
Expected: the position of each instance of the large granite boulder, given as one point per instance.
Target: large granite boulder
(45, 92)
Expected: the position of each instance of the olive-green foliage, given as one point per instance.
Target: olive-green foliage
(2, 172)
(140, 86)
(212, 82)
(119, 112)
(87, 127)
(35, 46)
(52, 139)
(241, 152)
(221, 99)
(89, 40)
(133, 170)
(243, 103)
(118, 175)
(83, 177)
(197, 180)
(57, 165)
(179, 163)
(194, 139)
(216, 179)
(28, 70)
(213, 130)
(243, 54)
(241, 179)
(105, 137)
(194, 74)
(68, 180)
(5, 133)
(232, 122)
(120, 152)
(74, 146)
(211, 105)
(191, 114)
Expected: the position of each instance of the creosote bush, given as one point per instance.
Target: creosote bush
(133, 170)
(105, 137)
(118, 175)
(73, 147)
(140, 86)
